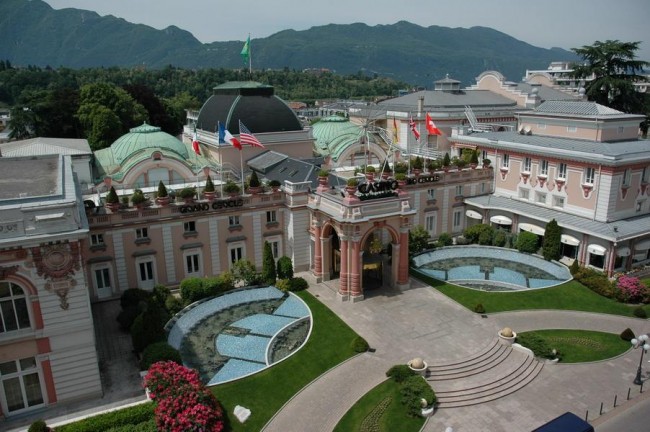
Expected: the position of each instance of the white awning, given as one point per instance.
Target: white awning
(596, 249)
(623, 251)
(570, 240)
(501, 220)
(532, 228)
(642, 245)
(473, 214)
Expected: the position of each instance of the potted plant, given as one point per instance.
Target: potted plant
(431, 165)
(418, 164)
(112, 200)
(401, 179)
(188, 193)
(386, 170)
(351, 187)
(275, 185)
(162, 197)
(461, 163)
(473, 160)
(401, 167)
(138, 199)
(446, 162)
(231, 188)
(486, 163)
(208, 191)
(254, 186)
(370, 173)
(323, 175)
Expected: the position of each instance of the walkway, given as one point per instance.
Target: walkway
(421, 322)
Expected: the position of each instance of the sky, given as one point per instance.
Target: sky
(551, 23)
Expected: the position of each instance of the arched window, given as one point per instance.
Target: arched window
(13, 308)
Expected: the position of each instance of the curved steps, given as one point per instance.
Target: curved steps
(497, 372)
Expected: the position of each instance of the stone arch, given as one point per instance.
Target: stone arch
(31, 294)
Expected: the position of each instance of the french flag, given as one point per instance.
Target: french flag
(226, 137)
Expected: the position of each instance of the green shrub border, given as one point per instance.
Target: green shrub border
(132, 415)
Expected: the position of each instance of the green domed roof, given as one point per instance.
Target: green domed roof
(335, 134)
(146, 137)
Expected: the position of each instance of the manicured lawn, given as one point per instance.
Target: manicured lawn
(577, 346)
(265, 393)
(568, 296)
(394, 416)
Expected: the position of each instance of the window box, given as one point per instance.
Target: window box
(559, 182)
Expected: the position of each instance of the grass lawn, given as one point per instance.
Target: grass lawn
(265, 393)
(568, 296)
(394, 416)
(577, 346)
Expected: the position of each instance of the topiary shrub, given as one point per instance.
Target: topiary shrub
(284, 268)
(627, 334)
(268, 265)
(173, 305)
(148, 327)
(298, 284)
(133, 296)
(283, 284)
(445, 240)
(38, 426)
(399, 372)
(639, 312)
(213, 286)
(159, 351)
(500, 239)
(479, 308)
(133, 302)
(360, 345)
(574, 267)
(192, 290)
(527, 242)
(160, 294)
(413, 389)
(551, 245)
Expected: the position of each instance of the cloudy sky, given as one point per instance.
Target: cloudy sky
(550, 23)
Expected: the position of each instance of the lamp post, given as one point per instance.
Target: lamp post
(640, 342)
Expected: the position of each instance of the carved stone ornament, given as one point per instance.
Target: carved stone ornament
(56, 263)
(5, 272)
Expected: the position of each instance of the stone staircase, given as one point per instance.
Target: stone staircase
(494, 373)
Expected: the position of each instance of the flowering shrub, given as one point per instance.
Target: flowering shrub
(631, 288)
(183, 402)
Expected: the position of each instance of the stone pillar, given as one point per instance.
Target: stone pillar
(403, 269)
(611, 260)
(355, 277)
(318, 251)
(344, 288)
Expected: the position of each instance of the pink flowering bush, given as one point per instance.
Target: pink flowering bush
(183, 402)
(632, 289)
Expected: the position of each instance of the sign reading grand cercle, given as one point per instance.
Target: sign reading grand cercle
(216, 205)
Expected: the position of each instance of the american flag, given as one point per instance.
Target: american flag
(246, 136)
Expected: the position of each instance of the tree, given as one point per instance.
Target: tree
(21, 123)
(268, 265)
(551, 245)
(244, 271)
(527, 242)
(615, 69)
(284, 268)
(418, 239)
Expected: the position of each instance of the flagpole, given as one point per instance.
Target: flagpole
(241, 161)
(250, 58)
(220, 163)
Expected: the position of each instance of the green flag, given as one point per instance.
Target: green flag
(246, 51)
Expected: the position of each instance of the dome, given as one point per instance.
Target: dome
(251, 102)
(335, 134)
(146, 137)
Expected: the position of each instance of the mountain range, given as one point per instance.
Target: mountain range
(33, 33)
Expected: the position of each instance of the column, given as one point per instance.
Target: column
(344, 288)
(611, 259)
(355, 279)
(318, 251)
(403, 270)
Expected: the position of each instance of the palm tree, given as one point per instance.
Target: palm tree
(615, 69)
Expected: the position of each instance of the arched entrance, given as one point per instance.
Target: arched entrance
(376, 260)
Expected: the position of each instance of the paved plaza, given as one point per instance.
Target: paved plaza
(399, 326)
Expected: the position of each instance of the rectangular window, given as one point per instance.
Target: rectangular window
(141, 233)
(236, 253)
(621, 129)
(459, 190)
(543, 167)
(430, 222)
(192, 264)
(271, 216)
(189, 226)
(505, 161)
(458, 219)
(275, 248)
(540, 197)
(590, 175)
(233, 220)
(484, 154)
(627, 177)
(431, 194)
(558, 201)
(571, 129)
(96, 239)
(21, 384)
(103, 278)
(145, 272)
(645, 177)
(561, 171)
(524, 193)
(527, 164)
(482, 187)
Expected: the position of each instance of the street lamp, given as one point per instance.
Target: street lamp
(641, 342)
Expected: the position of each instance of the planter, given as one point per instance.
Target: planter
(209, 195)
(254, 190)
(507, 336)
(113, 206)
(162, 201)
(560, 184)
(418, 366)
(524, 177)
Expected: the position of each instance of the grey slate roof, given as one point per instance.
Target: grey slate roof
(435, 99)
(545, 93)
(46, 146)
(625, 229)
(617, 153)
(276, 166)
(564, 108)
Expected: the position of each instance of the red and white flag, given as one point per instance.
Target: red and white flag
(227, 138)
(431, 127)
(195, 143)
(413, 127)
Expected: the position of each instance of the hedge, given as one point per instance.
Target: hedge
(159, 351)
(131, 416)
